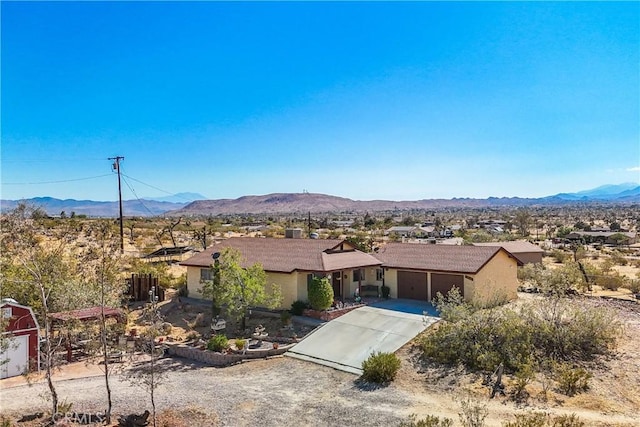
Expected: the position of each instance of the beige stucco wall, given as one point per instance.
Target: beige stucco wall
(193, 282)
(288, 284)
(497, 279)
(391, 280)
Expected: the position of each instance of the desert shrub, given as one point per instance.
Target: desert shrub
(557, 281)
(193, 335)
(320, 293)
(557, 328)
(611, 281)
(567, 421)
(633, 286)
(533, 419)
(285, 317)
(452, 307)
(481, 341)
(217, 343)
(618, 258)
(570, 330)
(473, 413)
(380, 367)
(429, 421)
(298, 307)
(560, 256)
(541, 419)
(240, 343)
(571, 379)
(183, 291)
(523, 376)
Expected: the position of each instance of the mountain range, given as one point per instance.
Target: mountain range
(193, 204)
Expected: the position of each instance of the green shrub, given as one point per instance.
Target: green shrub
(560, 255)
(240, 343)
(320, 293)
(380, 367)
(557, 328)
(217, 343)
(572, 380)
(533, 419)
(523, 376)
(285, 317)
(183, 291)
(298, 307)
(429, 421)
(473, 413)
(567, 421)
(541, 419)
(385, 290)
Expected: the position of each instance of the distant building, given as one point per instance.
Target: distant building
(525, 252)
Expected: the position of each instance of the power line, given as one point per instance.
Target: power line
(136, 196)
(56, 182)
(148, 185)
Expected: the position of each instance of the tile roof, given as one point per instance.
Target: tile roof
(288, 255)
(449, 258)
(514, 247)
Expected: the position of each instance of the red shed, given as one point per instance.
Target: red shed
(22, 352)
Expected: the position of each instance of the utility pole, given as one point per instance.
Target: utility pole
(116, 167)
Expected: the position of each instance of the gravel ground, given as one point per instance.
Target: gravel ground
(281, 391)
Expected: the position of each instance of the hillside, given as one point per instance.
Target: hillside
(302, 203)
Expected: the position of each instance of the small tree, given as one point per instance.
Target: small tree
(149, 374)
(236, 288)
(320, 293)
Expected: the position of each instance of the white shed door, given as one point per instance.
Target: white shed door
(14, 360)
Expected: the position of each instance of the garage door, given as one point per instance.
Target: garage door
(15, 358)
(412, 285)
(444, 282)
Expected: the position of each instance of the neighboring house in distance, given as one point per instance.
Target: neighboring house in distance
(292, 263)
(22, 331)
(527, 253)
(627, 238)
(410, 231)
(421, 271)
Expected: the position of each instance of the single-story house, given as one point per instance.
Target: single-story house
(292, 263)
(607, 237)
(526, 252)
(421, 271)
(409, 231)
(411, 271)
(23, 335)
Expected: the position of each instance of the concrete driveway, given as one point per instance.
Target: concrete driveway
(344, 343)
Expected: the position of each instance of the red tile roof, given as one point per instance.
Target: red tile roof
(288, 255)
(448, 258)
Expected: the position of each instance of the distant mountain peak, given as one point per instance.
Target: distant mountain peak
(184, 197)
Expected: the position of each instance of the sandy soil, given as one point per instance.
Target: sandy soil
(284, 391)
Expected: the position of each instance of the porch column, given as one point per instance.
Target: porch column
(428, 286)
(342, 280)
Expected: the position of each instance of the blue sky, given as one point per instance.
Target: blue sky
(398, 101)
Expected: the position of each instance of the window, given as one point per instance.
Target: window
(6, 312)
(379, 274)
(206, 274)
(358, 275)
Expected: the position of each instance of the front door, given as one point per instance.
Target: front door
(336, 282)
